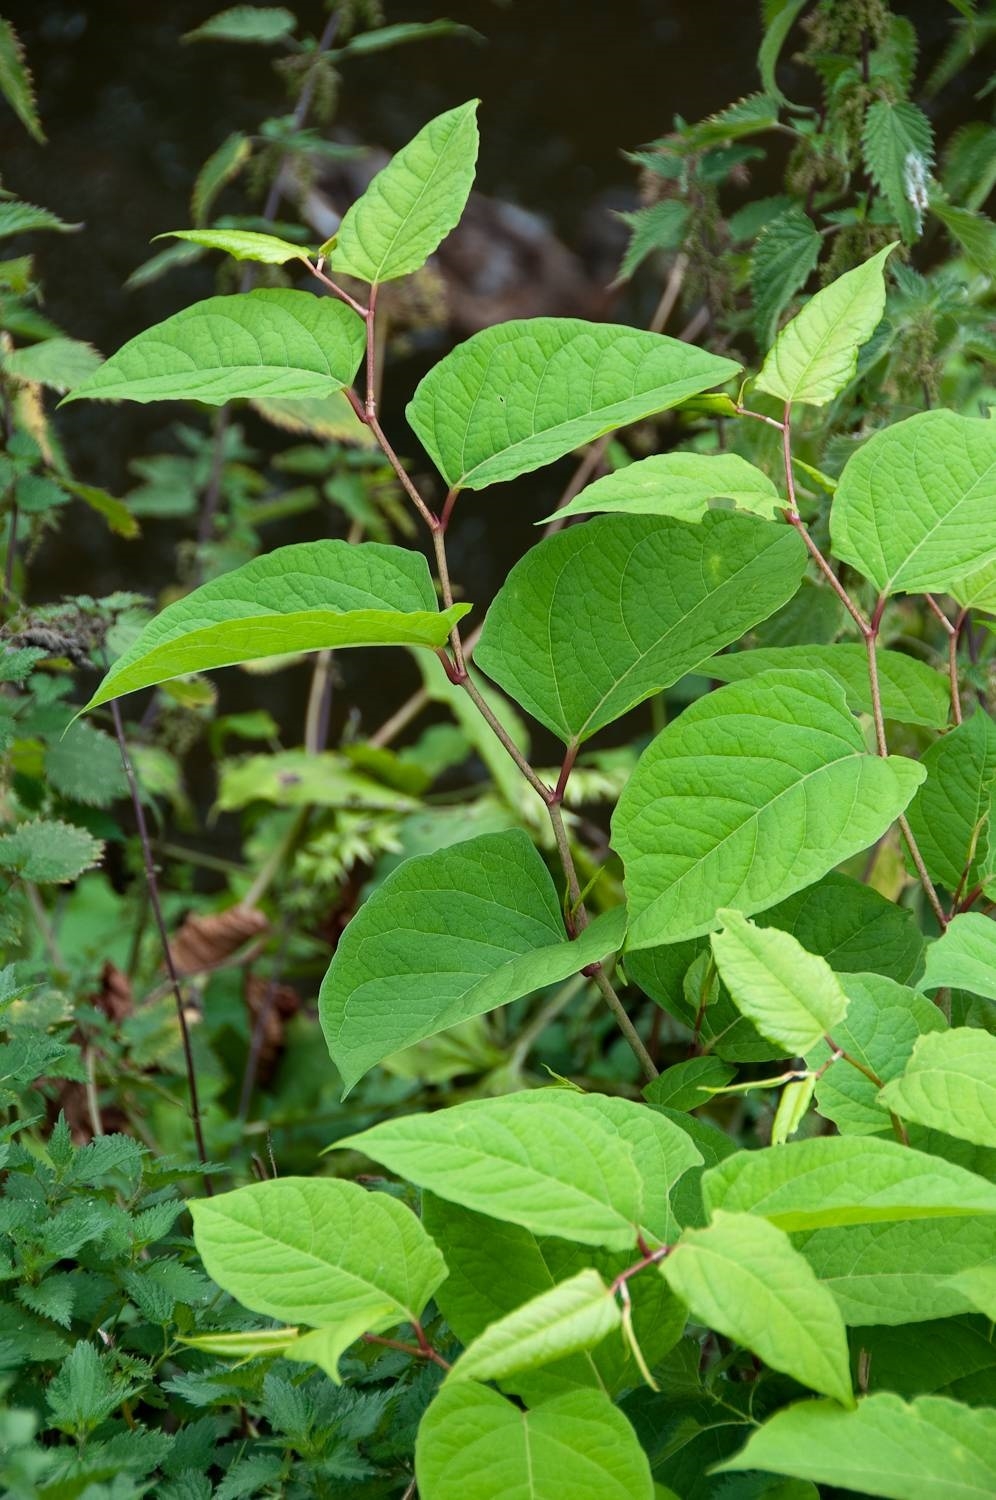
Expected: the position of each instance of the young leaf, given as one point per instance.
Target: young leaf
(16, 83)
(815, 355)
(808, 796)
(964, 957)
(977, 590)
(552, 1168)
(262, 24)
(57, 363)
(742, 1277)
(319, 1251)
(779, 17)
(898, 145)
(978, 1284)
(950, 1084)
(658, 226)
(521, 394)
(475, 1445)
(221, 168)
(944, 466)
(49, 852)
(931, 1449)
(572, 1316)
(306, 597)
(241, 244)
(951, 813)
(785, 252)
(793, 997)
(681, 485)
(910, 691)
(411, 206)
(841, 1180)
(599, 617)
(470, 927)
(264, 343)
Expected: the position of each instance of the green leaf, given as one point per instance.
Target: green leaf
(897, 141)
(597, 618)
(319, 1251)
(844, 1180)
(793, 997)
(241, 244)
(852, 927)
(944, 466)
(572, 1316)
(471, 927)
(556, 1164)
(16, 83)
(658, 226)
(85, 765)
(221, 168)
(682, 485)
(58, 363)
(49, 852)
(264, 343)
(17, 217)
(742, 1278)
(325, 417)
(117, 515)
(884, 1020)
(931, 1449)
(974, 233)
(686, 1085)
(257, 1342)
(521, 394)
(904, 1272)
(785, 253)
(475, 1445)
(808, 796)
(815, 356)
(950, 1084)
(977, 590)
(411, 206)
(299, 778)
(263, 24)
(964, 957)
(911, 692)
(306, 597)
(951, 813)
(978, 1284)
(401, 34)
(780, 16)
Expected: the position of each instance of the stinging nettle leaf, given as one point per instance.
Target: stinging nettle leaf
(57, 363)
(808, 795)
(263, 343)
(517, 396)
(447, 936)
(16, 83)
(597, 618)
(307, 597)
(816, 354)
(49, 852)
(682, 485)
(793, 997)
(913, 508)
(411, 206)
(898, 145)
(785, 252)
(741, 1277)
(572, 1316)
(222, 167)
(241, 244)
(950, 1084)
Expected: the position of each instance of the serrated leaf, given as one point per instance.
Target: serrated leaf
(974, 233)
(949, 1084)
(897, 141)
(944, 467)
(809, 795)
(222, 167)
(262, 24)
(51, 1298)
(319, 1251)
(519, 395)
(951, 813)
(572, 1316)
(910, 691)
(16, 83)
(241, 244)
(411, 206)
(793, 997)
(263, 343)
(474, 1445)
(597, 618)
(681, 485)
(840, 1180)
(17, 217)
(741, 1277)
(49, 852)
(60, 364)
(471, 927)
(816, 354)
(658, 226)
(930, 1449)
(85, 765)
(306, 597)
(785, 253)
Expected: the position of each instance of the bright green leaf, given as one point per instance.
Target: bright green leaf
(597, 618)
(17, 217)
(898, 145)
(222, 167)
(964, 957)
(117, 515)
(60, 364)
(471, 927)
(572, 1316)
(49, 852)
(681, 485)
(306, 597)
(951, 813)
(16, 83)
(411, 206)
(329, 417)
(793, 997)
(741, 1277)
(262, 24)
(241, 244)
(299, 778)
(687, 1085)
(85, 766)
(264, 343)
(808, 796)
(978, 1284)
(944, 467)
(950, 1084)
(658, 226)
(521, 394)
(931, 1449)
(816, 354)
(257, 1342)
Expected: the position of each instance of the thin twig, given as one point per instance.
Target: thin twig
(392, 727)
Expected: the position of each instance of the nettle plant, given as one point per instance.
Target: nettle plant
(592, 1277)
